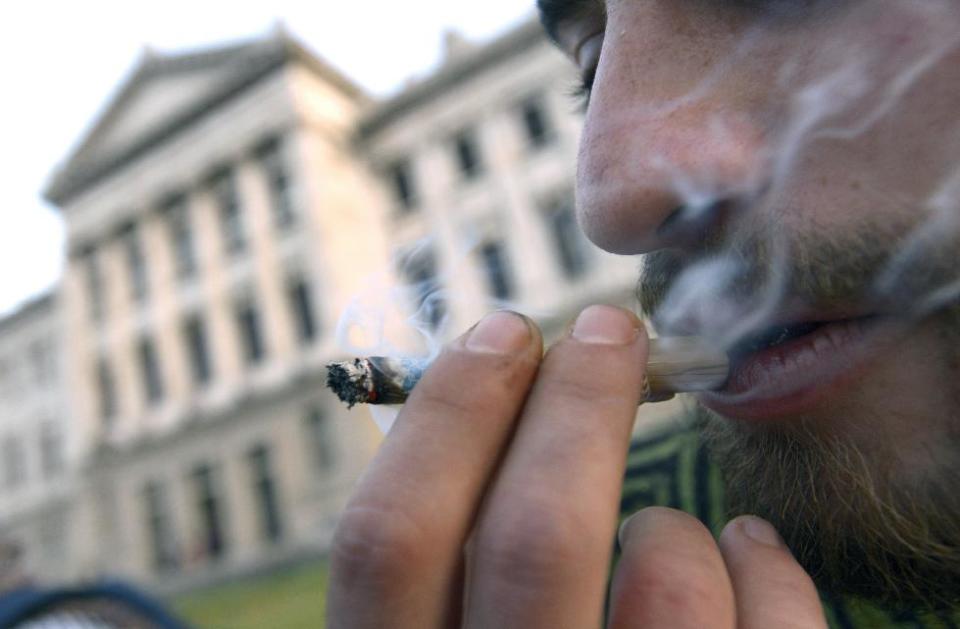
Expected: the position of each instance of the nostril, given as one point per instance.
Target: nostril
(689, 225)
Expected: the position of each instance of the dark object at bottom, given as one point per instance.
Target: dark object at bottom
(108, 605)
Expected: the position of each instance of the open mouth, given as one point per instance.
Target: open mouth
(787, 368)
(771, 337)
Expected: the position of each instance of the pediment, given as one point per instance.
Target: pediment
(149, 101)
(157, 101)
(165, 93)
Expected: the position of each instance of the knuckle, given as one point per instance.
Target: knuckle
(474, 386)
(678, 590)
(447, 401)
(579, 385)
(373, 548)
(672, 568)
(527, 549)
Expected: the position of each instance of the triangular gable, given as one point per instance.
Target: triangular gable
(159, 90)
(165, 92)
(154, 102)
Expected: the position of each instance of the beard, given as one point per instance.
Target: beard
(855, 519)
(849, 522)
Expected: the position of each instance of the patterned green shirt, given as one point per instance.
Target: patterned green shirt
(673, 470)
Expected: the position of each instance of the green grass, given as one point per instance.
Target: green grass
(293, 599)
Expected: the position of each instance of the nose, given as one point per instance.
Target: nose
(660, 155)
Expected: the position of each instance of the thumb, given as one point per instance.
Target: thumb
(770, 588)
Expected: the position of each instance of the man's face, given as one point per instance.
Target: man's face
(793, 169)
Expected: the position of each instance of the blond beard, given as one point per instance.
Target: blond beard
(853, 525)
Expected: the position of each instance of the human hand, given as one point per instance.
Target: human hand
(494, 500)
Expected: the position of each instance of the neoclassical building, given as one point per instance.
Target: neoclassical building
(239, 215)
(38, 463)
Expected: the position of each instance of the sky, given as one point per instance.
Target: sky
(60, 61)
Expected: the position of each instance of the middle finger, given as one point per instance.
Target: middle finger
(541, 552)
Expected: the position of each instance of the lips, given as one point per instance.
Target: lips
(788, 369)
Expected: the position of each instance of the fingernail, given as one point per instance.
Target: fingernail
(605, 325)
(501, 332)
(622, 531)
(761, 531)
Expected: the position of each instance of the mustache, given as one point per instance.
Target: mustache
(734, 276)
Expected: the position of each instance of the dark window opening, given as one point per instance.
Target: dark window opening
(404, 189)
(320, 440)
(162, 539)
(567, 239)
(301, 305)
(136, 263)
(181, 237)
(210, 513)
(538, 130)
(195, 333)
(94, 280)
(251, 337)
(107, 394)
(224, 186)
(150, 371)
(14, 463)
(265, 490)
(279, 183)
(51, 450)
(497, 269)
(468, 155)
(420, 272)
(43, 362)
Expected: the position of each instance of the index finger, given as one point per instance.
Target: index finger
(399, 542)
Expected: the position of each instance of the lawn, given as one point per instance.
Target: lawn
(293, 599)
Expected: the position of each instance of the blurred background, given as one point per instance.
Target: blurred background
(206, 202)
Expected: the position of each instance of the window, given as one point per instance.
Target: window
(535, 124)
(9, 386)
(265, 491)
(14, 463)
(248, 325)
(160, 525)
(282, 200)
(177, 216)
(94, 281)
(567, 239)
(497, 269)
(195, 336)
(52, 535)
(106, 393)
(420, 272)
(320, 439)
(150, 371)
(404, 190)
(468, 157)
(227, 198)
(42, 361)
(301, 305)
(210, 511)
(136, 263)
(51, 450)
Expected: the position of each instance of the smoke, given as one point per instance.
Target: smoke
(889, 237)
(835, 98)
(408, 310)
(853, 208)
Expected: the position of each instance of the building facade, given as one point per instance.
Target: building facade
(207, 212)
(37, 464)
(479, 161)
(224, 213)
